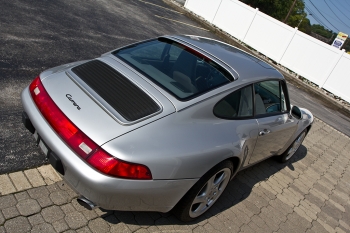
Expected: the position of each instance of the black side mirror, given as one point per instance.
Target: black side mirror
(296, 112)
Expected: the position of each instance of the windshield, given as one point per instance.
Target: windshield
(180, 70)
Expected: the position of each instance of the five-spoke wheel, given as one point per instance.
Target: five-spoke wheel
(205, 192)
(210, 192)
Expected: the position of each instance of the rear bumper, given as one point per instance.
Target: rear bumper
(27, 123)
(105, 191)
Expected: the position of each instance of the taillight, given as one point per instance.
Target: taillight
(102, 161)
(79, 142)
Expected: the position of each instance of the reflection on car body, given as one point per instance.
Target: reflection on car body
(163, 124)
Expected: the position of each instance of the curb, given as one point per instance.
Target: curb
(27, 179)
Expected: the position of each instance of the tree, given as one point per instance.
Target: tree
(301, 22)
(346, 45)
(322, 31)
(279, 9)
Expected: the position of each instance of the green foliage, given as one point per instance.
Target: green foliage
(322, 31)
(301, 22)
(346, 45)
(277, 9)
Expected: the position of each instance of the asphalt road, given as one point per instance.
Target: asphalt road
(36, 35)
(322, 109)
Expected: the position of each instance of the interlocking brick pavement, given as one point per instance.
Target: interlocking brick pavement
(308, 194)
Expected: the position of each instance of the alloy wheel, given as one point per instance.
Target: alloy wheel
(210, 192)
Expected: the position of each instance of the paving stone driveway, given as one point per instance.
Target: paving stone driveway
(309, 194)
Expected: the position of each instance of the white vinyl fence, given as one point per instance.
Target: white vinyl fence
(316, 61)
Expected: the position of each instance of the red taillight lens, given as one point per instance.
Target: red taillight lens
(107, 164)
(76, 139)
(79, 142)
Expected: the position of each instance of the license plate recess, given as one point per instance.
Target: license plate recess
(54, 160)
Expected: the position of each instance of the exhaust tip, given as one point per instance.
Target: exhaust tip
(86, 203)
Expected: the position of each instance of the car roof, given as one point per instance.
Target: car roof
(242, 64)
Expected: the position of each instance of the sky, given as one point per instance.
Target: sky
(332, 14)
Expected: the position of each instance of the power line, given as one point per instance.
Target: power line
(336, 14)
(319, 21)
(330, 16)
(316, 17)
(347, 3)
(323, 15)
(313, 15)
(339, 9)
(341, 5)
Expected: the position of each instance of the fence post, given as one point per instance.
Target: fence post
(256, 12)
(216, 11)
(331, 70)
(290, 41)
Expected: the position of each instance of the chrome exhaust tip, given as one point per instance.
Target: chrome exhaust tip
(86, 203)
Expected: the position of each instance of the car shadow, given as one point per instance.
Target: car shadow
(237, 191)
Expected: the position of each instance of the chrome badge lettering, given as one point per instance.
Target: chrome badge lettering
(69, 96)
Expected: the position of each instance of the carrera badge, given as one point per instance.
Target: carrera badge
(69, 96)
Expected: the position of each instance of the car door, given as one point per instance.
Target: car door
(239, 125)
(276, 126)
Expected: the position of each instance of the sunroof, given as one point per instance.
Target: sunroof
(180, 70)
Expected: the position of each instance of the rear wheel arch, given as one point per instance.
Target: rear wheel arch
(183, 208)
(236, 165)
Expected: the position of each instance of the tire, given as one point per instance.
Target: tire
(204, 193)
(288, 154)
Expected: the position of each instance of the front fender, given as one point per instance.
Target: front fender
(307, 119)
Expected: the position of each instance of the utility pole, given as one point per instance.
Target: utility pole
(290, 11)
(301, 21)
(330, 40)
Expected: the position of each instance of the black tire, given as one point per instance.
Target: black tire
(288, 154)
(186, 210)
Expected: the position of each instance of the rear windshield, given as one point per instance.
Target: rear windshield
(180, 70)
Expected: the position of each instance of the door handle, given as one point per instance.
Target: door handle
(264, 132)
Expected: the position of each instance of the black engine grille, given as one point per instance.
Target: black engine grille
(118, 91)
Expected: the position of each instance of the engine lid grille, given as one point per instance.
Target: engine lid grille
(119, 92)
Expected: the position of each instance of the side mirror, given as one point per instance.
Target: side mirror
(296, 112)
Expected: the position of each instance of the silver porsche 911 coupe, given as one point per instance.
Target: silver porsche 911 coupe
(163, 124)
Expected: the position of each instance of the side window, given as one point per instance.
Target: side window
(269, 97)
(236, 105)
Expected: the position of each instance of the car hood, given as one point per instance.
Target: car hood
(105, 109)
